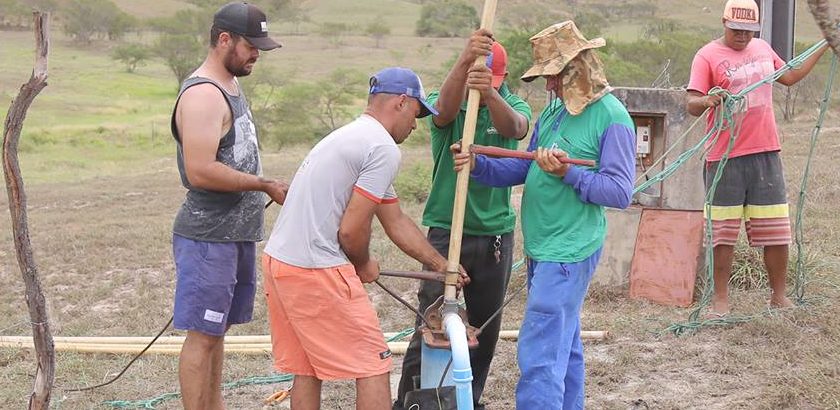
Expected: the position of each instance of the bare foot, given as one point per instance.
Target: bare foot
(719, 308)
(712, 315)
(780, 302)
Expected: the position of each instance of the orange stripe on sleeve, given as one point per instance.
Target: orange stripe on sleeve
(367, 194)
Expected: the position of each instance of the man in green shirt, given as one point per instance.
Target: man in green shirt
(489, 220)
(563, 221)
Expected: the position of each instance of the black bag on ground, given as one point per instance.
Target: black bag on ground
(431, 399)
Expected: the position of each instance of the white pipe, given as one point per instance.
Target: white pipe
(461, 370)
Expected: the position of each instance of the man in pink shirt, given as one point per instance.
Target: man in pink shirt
(752, 186)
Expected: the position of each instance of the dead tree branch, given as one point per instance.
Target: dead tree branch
(827, 23)
(35, 301)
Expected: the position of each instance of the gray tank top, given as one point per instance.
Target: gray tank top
(223, 216)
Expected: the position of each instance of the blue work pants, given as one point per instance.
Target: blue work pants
(550, 352)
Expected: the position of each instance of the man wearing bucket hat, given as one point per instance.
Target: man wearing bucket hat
(323, 326)
(563, 222)
(489, 219)
(752, 186)
(216, 230)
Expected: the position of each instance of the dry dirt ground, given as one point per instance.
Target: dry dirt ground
(103, 251)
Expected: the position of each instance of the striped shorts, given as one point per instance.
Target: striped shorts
(752, 188)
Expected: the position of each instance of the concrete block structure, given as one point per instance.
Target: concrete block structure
(660, 117)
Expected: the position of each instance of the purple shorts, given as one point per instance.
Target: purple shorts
(216, 284)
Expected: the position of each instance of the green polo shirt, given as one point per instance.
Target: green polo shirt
(488, 210)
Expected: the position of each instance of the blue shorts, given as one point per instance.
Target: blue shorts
(216, 284)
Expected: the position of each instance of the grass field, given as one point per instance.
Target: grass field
(102, 184)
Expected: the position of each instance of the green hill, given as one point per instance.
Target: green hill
(91, 101)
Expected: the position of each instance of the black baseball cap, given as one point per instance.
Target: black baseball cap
(247, 21)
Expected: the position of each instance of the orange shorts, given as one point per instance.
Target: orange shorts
(322, 323)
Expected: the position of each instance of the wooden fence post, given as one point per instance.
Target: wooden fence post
(35, 301)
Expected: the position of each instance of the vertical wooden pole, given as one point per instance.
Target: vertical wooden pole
(35, 301)
(457, 228)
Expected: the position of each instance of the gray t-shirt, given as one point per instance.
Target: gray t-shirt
(223, 216)
(361, 157)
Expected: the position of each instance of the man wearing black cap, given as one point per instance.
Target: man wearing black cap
(217, 227)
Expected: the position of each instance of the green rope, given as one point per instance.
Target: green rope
(800, 282)
(725, 118)
(247, 381)
(731, 103)
(692, 326)
(144, 404)
(401, 335)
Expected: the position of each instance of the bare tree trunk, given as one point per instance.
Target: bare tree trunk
(827, 23)
(35, 301)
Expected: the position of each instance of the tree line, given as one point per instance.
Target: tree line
(659, 55)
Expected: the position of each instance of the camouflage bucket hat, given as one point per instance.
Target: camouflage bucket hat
(555, 46)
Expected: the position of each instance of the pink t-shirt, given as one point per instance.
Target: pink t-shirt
(718, 65)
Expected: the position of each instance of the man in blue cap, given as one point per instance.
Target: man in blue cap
(323, 326)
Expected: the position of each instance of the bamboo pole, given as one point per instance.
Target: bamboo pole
(170, 349)
(256, 344)
(462, 182)
(584, 334)
(163, 340)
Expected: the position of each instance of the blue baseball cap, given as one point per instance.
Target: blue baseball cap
(398, 80)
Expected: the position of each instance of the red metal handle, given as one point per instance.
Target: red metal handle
(509, 153)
